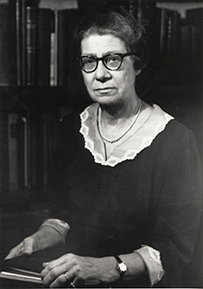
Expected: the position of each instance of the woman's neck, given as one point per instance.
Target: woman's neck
(113, 127)
(115, 114)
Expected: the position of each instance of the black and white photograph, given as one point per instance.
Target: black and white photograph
(101, 144)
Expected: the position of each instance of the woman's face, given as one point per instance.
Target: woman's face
(105, 86)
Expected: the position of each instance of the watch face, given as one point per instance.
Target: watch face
(123, 267)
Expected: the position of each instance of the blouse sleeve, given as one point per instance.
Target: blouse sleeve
(176, 215)
(58, 225)
(152, 260)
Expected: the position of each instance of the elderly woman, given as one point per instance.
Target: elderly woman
(128, 178)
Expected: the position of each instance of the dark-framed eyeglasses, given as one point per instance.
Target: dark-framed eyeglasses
(111, 61)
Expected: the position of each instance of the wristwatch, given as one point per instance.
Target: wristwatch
(121, 267)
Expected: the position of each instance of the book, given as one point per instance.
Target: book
(25, 151)
(13, 150)
(174, 35)
(162, 35)
(8, 52)
(34, 155)
(24, 39)
(19, 20)
(54, 52)
(21, 154)
(30, 44)
(191, 53)
(173, 51)
(67, 51)
(18, 41)
(27, 268)
(45, 18)
(146, 15)
(85, 5)
(4, 170)
(44, 160)
(194, 18)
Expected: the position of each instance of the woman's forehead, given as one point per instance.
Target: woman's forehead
(93, 43)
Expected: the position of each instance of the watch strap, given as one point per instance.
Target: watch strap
(118, 259)
(122, 273)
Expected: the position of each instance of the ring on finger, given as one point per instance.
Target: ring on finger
(66, 276)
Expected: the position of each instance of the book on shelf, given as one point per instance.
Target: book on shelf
(21, 154)
(4, 170)
(27, 268)
(39, 25)
(34, 156)
(67, 52)
(30, 44)
(194, 18)
(43, 157)
(43, 46)
(54, 51)
(25, 33)
(27, 147)
(20, 151)
(174, 35)
(13, 150)
(25, 41)
(8, 54)
(145, 13)
(26, 151)
(18, 20)
(91, 4)
(161, 34)
(191, 46)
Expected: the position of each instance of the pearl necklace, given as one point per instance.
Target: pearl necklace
(128, 129)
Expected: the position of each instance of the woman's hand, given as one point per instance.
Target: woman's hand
(27, 246)
(79, 271)
(43, 238)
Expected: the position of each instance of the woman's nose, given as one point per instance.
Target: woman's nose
(102, 73)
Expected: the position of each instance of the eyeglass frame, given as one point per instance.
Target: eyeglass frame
(122, 55)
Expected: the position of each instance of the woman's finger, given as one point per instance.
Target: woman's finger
(53, 271)
(28, 246)
(16, 251)
(25, 247)
(64, 261)
(67, 278)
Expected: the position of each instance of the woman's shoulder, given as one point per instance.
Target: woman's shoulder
(176, 138)
(71, 120)
(173, 128)
(177, 130)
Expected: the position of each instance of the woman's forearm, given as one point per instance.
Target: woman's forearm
(46, 237)
(136, 267)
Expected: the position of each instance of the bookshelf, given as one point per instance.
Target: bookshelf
(36, 89)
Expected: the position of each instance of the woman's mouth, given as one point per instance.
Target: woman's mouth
(105, 90)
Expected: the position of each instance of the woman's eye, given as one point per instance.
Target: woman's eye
(88, 60)
(112, 59)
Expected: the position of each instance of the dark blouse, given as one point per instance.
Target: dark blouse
(154, 199)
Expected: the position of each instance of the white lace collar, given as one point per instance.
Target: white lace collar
(150, 123)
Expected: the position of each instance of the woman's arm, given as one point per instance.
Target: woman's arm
(51, 233)
(88, 271)
(175, 218)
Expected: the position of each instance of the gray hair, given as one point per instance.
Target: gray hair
(119, 23)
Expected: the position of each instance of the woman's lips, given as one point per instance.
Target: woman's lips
(106, 90)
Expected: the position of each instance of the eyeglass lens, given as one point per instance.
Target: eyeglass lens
(112, 62)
